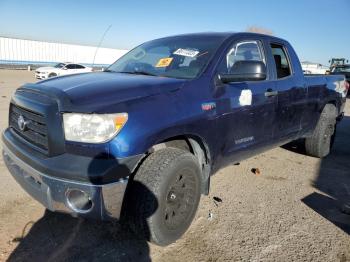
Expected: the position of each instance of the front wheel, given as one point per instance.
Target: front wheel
(320, 143)
(52, 75)
(164, 195)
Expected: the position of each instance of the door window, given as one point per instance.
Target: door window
(281, 61)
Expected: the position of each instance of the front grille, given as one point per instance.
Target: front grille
(35, 130)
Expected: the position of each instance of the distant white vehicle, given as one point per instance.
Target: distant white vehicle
(61, 69)
(314, 68)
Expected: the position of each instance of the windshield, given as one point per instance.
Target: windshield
(343, 69)
(59, 65)
(176, 57)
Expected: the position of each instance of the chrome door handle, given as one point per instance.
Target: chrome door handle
(271, 93)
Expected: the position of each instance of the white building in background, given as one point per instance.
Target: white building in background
(314, 68)
(29, 51)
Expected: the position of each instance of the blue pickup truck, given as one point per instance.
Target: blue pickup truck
(139, 141)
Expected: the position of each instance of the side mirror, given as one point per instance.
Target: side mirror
(64, 68)
(249, 70)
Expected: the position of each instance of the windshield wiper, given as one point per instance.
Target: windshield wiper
(108, 70)
(139, 73)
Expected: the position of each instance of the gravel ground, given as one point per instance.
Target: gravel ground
(290, 212)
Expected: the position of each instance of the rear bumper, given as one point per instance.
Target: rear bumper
(105, 200)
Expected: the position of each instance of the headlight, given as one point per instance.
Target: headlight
(92, 128)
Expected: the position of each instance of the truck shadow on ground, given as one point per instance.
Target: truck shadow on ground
(333, 179)
(60, 237)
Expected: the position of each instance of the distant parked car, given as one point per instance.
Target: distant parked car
(61, 69)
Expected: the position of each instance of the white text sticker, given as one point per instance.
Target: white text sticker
(186, 52)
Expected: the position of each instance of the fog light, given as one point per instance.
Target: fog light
(79, 201)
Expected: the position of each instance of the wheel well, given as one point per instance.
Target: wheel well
(196, 146)
(332, 102)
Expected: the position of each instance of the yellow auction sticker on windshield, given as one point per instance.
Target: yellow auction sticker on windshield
(164, 62)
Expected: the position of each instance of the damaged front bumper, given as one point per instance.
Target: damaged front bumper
(77, 198)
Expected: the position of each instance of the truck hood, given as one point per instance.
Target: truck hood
(99, 90)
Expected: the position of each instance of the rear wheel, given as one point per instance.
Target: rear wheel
(164, 195)
(321, 141)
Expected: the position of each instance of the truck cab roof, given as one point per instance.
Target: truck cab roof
(229, 35)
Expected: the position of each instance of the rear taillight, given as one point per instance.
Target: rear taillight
(347, 85)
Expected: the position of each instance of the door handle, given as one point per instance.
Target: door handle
(270, 93)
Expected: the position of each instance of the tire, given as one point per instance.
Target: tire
(321, 141)
(164, 195)
(52, 75)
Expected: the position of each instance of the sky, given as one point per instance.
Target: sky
(317, 29)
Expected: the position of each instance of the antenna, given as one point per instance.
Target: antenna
(99, 44)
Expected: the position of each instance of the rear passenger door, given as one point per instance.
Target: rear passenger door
(291, 93)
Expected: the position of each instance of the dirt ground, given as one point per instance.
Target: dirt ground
(290, 212)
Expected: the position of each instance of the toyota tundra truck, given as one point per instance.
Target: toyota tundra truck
(138, 142)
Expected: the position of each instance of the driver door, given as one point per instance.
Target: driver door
(247, 107)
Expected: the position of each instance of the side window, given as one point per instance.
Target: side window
(70, 66)
(79, 66)
(281, 61)
(243, 51)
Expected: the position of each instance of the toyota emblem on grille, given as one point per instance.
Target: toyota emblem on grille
(22, 123)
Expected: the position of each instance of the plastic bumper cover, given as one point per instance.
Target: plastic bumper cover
(106, 199)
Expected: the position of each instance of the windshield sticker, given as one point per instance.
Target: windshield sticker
(140, 54)
(186, 52)
(164, 62)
